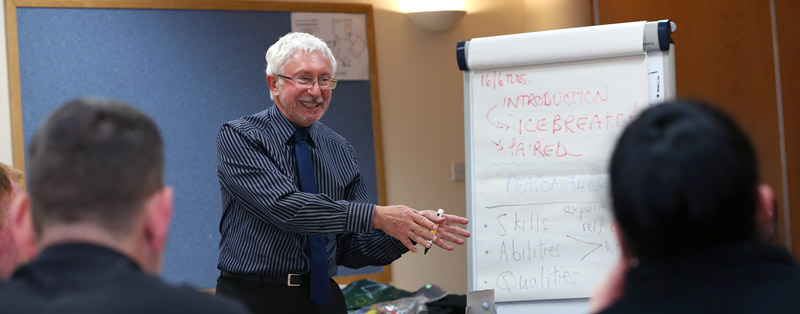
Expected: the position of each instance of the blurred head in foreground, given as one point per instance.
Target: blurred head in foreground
(10, 187)
(684, 178)
(95, 174)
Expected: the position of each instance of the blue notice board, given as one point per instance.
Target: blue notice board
(191, 70)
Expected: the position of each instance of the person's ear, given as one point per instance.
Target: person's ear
(625, 251)
(765, 212)
(22, 228)
(157, 215)
(272, 82)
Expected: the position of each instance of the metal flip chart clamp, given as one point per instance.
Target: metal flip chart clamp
(481, 302)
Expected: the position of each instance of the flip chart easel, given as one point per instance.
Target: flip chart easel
(543, 111)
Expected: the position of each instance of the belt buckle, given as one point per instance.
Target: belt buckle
(289, 280)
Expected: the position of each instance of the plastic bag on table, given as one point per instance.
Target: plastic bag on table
(411, 305)
(361, 293)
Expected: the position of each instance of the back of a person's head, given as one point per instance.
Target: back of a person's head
(683, 179)
(11, 180)
(10, 186)
(93, 161)
(6, 189)
(5, 183)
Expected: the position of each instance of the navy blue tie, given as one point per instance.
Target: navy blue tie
(320, 289)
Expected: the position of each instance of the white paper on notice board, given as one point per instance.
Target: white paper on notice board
(346, 36)
(542, 137)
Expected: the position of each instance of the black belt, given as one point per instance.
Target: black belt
(290, 280)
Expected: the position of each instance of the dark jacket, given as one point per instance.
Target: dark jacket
(747, 277)
(84, 278)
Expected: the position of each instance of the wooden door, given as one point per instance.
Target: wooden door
(725, 54)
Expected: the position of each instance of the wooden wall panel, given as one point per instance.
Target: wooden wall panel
(788, 30)
(724, 55)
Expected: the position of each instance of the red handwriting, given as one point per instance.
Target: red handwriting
(518, 141)
(555, 99)
(499, 125)
(593, 122)
(498, 79)
(558, 124)
(538, 149)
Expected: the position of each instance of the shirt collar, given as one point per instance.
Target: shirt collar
(285, 128)
(79, 255)
(731, 255)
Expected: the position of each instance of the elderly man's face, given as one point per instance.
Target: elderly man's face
(303, 105)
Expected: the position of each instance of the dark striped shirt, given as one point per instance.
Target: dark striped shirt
(265, 216)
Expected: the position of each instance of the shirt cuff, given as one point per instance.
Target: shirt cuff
(359, 217)
(398, 246)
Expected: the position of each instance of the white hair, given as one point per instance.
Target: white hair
(279, 54)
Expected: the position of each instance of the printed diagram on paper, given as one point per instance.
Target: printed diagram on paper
(345, 34)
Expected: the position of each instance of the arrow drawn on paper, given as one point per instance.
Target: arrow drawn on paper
(499, 145)
(497, 124)
(597, 246)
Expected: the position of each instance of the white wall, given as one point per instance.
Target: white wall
(5, 114)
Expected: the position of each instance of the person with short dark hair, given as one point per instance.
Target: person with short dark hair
(98, 210)
(692, 219)
(10, 188)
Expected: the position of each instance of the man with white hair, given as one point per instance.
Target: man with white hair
(294, 203)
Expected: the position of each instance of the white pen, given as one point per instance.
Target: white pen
(439, 214)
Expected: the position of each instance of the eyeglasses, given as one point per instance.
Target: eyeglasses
(305, 81)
